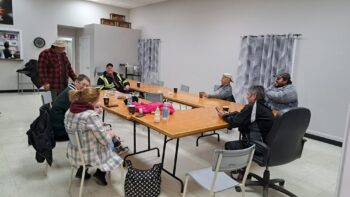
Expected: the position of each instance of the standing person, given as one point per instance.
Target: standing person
(254, 121)
(83, 119)
(111, 79)
(54, 69)
(224, 91)
(61, 105)
(282, 94)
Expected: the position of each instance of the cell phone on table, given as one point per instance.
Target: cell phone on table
(140, 115)
(112, 105)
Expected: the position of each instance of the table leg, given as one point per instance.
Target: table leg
(173, 174)
(149, 145)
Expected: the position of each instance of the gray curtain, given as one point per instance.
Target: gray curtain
(148, 50)
(260, 59)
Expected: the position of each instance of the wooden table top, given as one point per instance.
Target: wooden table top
(185, 98)
(182, 123)
(185, 122)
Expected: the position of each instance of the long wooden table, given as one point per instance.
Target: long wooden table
(185, 98)
(202, 118)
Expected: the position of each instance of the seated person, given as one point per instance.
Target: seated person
(61, 105)
(282, 94)
(224, 91)
(111, 79)
(254, 121)
(115, 142)
(81, 117)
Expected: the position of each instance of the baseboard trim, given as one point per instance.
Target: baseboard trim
(16, 91)
(323, 139)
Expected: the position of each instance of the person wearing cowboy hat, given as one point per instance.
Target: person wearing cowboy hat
(54, 69)
(223, 91)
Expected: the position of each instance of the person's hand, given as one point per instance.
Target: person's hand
(127, 87)
(47, 87)
(98, 109)
(221, 113)
(111, 133)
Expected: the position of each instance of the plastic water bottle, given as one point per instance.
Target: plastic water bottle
(165, 111)
(129, 101)
(157, 115)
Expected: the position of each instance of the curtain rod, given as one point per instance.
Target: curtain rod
(295, 35)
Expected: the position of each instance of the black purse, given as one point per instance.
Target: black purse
(142, 182)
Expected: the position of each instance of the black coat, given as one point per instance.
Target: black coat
(41, 137)
(263, 121)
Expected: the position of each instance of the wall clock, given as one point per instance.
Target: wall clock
(39, 42)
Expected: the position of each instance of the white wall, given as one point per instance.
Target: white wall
(114, 45)
(40, 18)
(200, 39)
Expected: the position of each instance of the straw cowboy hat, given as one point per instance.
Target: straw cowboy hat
(228, 75)
(59, 43)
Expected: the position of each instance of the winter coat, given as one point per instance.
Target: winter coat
(40, 136)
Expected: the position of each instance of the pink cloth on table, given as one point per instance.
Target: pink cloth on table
(151, 107)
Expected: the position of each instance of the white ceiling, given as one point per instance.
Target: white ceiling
(127, 3)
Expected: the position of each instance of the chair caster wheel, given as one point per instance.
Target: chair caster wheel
(281, 183)
(249, 177)
(238, 189)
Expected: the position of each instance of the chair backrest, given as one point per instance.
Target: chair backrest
(286, 137)
(46, 97)
(154, 97)
(185, 88)
(158, 83)
(232, 159)
(75, 141)
(99, 70)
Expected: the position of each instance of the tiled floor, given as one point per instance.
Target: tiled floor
(315, 174)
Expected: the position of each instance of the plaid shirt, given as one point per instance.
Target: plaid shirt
(94, 141)
(50, 69)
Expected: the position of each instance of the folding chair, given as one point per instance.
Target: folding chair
(74, 139)
(214, 179)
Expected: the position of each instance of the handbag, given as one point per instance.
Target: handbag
(142, 182)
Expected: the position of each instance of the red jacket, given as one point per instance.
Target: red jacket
(50, 69)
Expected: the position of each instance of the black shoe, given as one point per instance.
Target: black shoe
(79, 173)
(100, 177)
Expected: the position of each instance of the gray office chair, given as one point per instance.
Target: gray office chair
(158, 83)
(154, 97)
(184, 88)
(214, 178)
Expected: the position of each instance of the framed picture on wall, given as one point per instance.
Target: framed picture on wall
(10, 44)
(6, 15)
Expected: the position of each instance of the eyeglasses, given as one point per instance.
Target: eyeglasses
(84, 85)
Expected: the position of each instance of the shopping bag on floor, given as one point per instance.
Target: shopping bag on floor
(142, 182)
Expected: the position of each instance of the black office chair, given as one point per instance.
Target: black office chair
(283, 144)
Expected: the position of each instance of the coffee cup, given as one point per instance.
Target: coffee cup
(106, 101)
(131, 109)
(138, 84)
(225, 108)
(175, 90)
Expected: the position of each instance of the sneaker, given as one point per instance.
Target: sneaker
(100, 177)
(79, 173)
